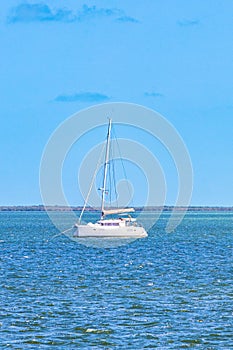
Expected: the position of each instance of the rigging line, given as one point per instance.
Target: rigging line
(92, 183)
(110, 177)
(123, 167)
(114, 179)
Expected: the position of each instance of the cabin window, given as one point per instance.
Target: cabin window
(110, 224)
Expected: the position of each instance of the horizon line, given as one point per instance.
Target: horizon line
(41, 207)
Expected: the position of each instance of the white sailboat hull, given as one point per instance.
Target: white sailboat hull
(121, 227)
(121, 232)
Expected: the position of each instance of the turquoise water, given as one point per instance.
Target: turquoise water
(167, 291)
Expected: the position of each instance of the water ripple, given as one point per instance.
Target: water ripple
(169, 291)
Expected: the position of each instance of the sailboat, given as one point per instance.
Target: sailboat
(113, 223)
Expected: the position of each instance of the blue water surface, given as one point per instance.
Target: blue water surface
(166, 291)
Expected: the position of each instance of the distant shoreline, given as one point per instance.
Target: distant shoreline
(78, 208)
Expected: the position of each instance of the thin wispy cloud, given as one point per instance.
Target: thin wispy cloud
(94, 12)
(82, 97)
(188, 22)
(41, 12)
(153, 94)
(125, 19)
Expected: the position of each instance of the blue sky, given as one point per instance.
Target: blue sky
(174, 56)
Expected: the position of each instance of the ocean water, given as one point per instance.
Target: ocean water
(166, 291)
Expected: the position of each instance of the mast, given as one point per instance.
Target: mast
(106, 164)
